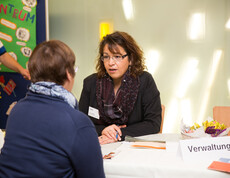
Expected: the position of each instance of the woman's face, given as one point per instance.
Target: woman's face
(116, 68)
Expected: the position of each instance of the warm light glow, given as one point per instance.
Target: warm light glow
(203, 107)
(228, 24)
(171, 116)
(152, 61)
(105, 29)
(188, 75)
(216, 60)
(186, 113)
(229, 86)
(128, 9)
(179, 107)
(197, 26)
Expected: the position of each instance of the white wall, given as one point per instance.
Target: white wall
(162, 26)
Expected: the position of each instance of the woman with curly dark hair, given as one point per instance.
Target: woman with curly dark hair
(121, 98)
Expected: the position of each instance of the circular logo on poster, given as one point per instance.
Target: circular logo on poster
(22, 34)
(30, 3)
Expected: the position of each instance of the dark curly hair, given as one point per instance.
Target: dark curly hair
(124, 40)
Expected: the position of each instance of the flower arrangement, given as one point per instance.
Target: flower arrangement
(213, 127)
(209, 127)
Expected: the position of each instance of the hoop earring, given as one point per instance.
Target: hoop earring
(129, 68)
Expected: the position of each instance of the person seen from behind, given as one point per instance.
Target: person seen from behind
(46, 134)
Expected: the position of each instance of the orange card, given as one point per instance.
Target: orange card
(220, 166)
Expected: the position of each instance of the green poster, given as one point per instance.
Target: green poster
(18, 29)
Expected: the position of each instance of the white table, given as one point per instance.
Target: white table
(145, 163)
(1, 139)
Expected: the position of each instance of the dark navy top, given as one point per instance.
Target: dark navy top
(46, 137)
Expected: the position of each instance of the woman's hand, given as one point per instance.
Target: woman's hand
(103, 139)
(25, 73)
(113, 132)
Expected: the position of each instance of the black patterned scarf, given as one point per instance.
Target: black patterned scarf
(116, 109)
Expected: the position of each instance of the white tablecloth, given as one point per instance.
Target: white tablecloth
(1, 139)
(145, 163)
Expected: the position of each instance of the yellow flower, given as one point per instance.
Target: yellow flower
(197, 125)
(214, 123)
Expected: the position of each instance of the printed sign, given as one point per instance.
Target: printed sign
(205, 148)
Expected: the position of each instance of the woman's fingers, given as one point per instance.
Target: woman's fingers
(110, 131)
(122, 126)
(118, 132)
(113, 132)
(103, 139)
